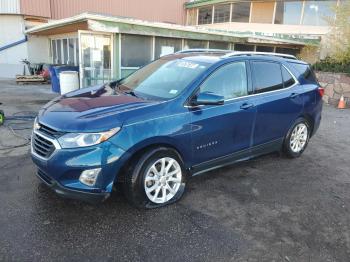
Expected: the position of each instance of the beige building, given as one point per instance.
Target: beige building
(17, 16)
(54, 31)
(109, 47)
(276, 18)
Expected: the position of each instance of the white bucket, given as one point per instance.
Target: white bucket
(69, 81)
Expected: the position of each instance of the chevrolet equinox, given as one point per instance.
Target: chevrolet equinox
(178, 116)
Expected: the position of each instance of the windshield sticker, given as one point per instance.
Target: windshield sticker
(173, 91)
(187, 64)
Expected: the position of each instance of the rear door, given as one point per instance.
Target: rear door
(278, 98)
(221, 130)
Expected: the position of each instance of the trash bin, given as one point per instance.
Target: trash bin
(55, 84)
(69, 81)
(55, 73)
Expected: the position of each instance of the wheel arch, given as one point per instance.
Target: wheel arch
(310, 121)
(139, 149)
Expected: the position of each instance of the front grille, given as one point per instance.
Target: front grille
(49, 131)
(42, 146)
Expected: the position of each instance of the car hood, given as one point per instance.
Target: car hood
(90, 110)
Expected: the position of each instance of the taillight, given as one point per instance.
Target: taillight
(321, 91)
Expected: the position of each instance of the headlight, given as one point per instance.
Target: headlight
(72, 140)
(36, 125)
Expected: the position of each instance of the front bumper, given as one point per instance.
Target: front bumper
(89, 197)
(62, 169)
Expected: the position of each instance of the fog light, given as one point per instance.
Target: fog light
(89, 177)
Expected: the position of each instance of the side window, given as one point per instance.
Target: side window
(267, 76)
(229, 81)
(288, 79)
(305, 70)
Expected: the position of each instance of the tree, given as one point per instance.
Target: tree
(339, 36)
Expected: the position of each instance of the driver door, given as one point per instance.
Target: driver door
(220, 132)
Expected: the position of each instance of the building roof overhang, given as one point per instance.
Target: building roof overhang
(113, 24)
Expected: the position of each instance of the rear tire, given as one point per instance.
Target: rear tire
(157, 178)
(297, 138)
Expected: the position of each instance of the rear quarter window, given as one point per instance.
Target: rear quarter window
(288, 79)
(267, 76)
(305, 71)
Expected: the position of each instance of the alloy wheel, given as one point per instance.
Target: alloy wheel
(298, 138)
(163, 180)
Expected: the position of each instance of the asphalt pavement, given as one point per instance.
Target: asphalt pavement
(268, 209)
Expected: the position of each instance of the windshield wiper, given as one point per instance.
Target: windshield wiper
(116, 86)
(131, 93)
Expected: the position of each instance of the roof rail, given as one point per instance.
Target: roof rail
(201, 50)
(238, 53)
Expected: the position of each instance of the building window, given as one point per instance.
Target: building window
(264, 48)
(243, 47)
(136, 50)
(71, 53)
(288, 13)
(192, 44)
(205, 15)
(222, 13)
(285, 50)
(126, 72)
(65, 51)
(166, 46)
(76, 61)
(53, 51)
(316, 12)
(240, 12)
(59, 58)
(262, 12)
(191, 16)
(219, 45)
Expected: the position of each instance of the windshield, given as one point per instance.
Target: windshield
(163, 79)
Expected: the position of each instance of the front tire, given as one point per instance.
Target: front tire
(157, 179)
(297, 138)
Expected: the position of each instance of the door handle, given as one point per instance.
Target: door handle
(293, 95)
(246, 106)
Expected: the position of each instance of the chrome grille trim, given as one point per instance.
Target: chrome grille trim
(48, 131)
(41, 146)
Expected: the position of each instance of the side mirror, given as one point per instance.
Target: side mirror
(208, 99)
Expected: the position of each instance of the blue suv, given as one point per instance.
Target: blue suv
(178, 116)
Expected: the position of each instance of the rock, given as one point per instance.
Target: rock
(329, 90)
(326, 99)
(333, 101)
(336, 96)
(345, 87)
(345, 79)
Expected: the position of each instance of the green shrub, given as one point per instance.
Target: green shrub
(332, 65)
(339, 41)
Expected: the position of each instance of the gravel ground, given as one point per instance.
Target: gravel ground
(267, 209)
